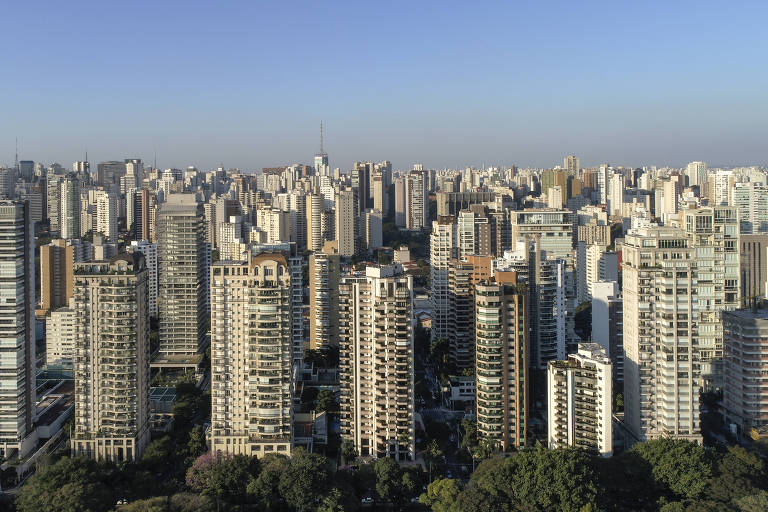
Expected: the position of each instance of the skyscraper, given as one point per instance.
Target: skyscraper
(57, 261)
(347, 222)
(251, 356)
(17, 328)
(572, 164)
(182, 286)
(324, 269)
(676, 285)
(501, 363)
(149, 250)
(111, 359)
(443, 246)
(376, 369)
(69, 203)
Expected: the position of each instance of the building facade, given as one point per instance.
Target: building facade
(377, 362)
(111, 359)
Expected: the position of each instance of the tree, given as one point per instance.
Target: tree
(681, 467)
(757, 502)
(388, 478)
(157, 453)
(265, 488)
(196, 445)
(182, 502)
(304, 479)
(325, 401)
(71, 485)
(738, 473)
(432, 455)
(441, 495)
(221, 477)
(348, 451)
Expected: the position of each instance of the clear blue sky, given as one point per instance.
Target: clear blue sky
(443, 83)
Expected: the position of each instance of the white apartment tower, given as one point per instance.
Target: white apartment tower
(443, 244)
(676, 285)
(149, 250)
(17, 328)
(111, 359)
(251, 356)
(579, 398)
(377, 365)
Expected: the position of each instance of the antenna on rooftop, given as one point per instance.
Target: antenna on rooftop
(321, 138)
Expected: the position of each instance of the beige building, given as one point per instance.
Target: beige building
(745, 394)
(501, 362)
(60, 336)
(57, 261)
(324, 269)
(376, 368)
(579, 399)
(676, 285)
(347, 222)
(251, 343)
(111, 359)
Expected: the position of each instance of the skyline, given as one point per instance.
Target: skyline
(454, 86)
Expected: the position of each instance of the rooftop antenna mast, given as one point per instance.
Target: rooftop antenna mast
(17, 152)
(321, 138)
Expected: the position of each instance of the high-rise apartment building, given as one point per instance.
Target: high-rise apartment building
(251, 356)
(149, 250)
(60, 336)
(501, 363)
(579, 399)
(443, 246)
(752, 201)
(753, 260)
(17, 329)
(182, 283)
(69, 204)
(111, 359)
(572, 164)
(57, 260)
(377, 362)
(696, 174)
(676, 284)
(106, 213)
(324, 270)
(347, 222)
(608, 325)
(745, 394)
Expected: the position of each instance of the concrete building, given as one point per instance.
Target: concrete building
(745, 394)
(608, 325)
(324, 270)
(501, 363)
(111, 359)
(696, 174)
(676, 284)
(69, 204)
(579, 399)
(57, 260)
(106, 215)
(251, 356)
(17, 329)
(182, 283)
(149, 250)
(60, 337)
(377, 362)
(347, 223)
(443, 246)
(752, 201)
(753, 260)
(572, 165)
